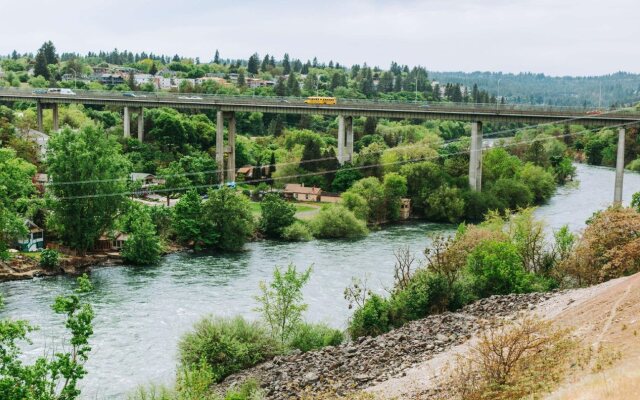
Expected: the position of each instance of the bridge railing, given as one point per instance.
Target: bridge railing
(343, 103)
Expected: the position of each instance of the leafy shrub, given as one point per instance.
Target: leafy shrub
(496, 268)
(143, 245)
(226, 345)
(477, 204)
(445, 204)
(297, 232)
(277, 214)
(315, 336)
(335, 221)
(49, 259)
(512, 192)
(609, 247)
(371, 319)
(541, 183)
(426, 294)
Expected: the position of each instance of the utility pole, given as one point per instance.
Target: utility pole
(416, 87)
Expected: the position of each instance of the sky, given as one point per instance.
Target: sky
(555, 37)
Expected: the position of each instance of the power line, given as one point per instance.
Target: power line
(217, 171)
(509, 144)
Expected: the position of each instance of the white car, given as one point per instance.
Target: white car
(67, 92)
(190, 97)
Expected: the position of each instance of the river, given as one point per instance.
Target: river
(142, 312)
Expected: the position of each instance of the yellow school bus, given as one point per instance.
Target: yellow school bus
(320, 100)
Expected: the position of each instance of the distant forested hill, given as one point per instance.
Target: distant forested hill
(617, 89)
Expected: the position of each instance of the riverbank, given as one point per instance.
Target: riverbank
(27, 266)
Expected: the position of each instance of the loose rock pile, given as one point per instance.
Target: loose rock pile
(368, 360)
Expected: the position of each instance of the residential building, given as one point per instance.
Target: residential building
(141, 79)
(34, 240)
(302, 193)
(110, 79)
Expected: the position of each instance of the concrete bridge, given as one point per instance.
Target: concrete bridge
(345, 110)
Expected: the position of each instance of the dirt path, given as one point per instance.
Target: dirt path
(593, 310)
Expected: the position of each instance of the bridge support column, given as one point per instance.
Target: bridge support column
(141, 124)
(127, 123)
(220, 145)
(349, 130)
(475, 157)
(54, 112)
(231, 159)
(341, 150)
(617, 193)
(39, 115)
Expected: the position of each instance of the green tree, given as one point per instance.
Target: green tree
(190, 226)
(281, 301)
(90, 183)
(445, 204)
(395, 188)
(345, 178)
(49, 377)
(277, 214)
(337, 222)
(253, 64)
(230, 214)
(280, 88)
(143, 245)
(40, 68)
(373, 192)
(49, 51)
(175, 180)
(293, 87)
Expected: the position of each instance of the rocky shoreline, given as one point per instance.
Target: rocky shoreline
(368, 361)
(21, 267)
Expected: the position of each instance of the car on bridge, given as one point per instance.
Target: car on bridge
(131, 94)
(190, 97)
(64, 91)
(40, 91)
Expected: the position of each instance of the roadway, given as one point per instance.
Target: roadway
(347, 107)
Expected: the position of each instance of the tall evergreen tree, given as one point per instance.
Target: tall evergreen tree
(293, 87)
(49, 51)
(280, 88)
(286, 65)
(253, 63)
(40, 68)
(264, 67)
(154, 69)
(241, 79)
(216, 57)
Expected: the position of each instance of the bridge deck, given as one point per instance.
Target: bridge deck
(347, 107)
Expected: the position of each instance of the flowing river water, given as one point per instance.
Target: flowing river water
(141, 312)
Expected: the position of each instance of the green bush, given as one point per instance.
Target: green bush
(315, 336)
(49, 259)
(335, 221)
(426, 294)
(634, 165)
(496, 268)
(512, 192)
(371, 319)
(541, 182)
(477, 204)
(143, 246)
(226, 345)
(277, 214)
(297, 232)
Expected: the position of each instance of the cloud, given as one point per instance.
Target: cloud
(578, 37)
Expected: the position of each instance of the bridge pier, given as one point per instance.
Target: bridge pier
(54, 112)
(141, 124)
(231, 159)
(349, 131)
(475, 157)
(617, 193)
(341, 129)
(127, 123)
(39, 115)
(220, 145)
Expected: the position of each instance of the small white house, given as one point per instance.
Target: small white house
(34, 240)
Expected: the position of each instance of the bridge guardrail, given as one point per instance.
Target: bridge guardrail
(216, 99)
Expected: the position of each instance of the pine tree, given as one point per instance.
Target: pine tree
(305, 68)
(41, 69)
(286, 66)
(293, 87)
(280, 89)
(49, 52)
(241, 80)
(265, 64)
(154, 69)
(370, 125)
(216, 57)
(253, 64)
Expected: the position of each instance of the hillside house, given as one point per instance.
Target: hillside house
(302, 193)
(34, 240)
